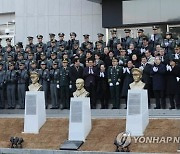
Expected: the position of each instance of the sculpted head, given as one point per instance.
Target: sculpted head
(79, 84)
(137, 74)
(34, 77)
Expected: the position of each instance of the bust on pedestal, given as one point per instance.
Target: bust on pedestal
(35, 114)
(137, 106)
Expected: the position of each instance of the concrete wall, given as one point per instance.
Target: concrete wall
(45, 16)
(7, 6)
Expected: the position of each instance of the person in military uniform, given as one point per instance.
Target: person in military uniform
(22, 75)
(123, 58)
(99, 48)
(40, 41)
(8, 44)
(20, 58)
(30, 58)
(33, 66)
(51, 48)
(30, 44)
(2, 86)
(155, 38)
(44, 80)
(115, 74)
(100, 40)
(61, 40)
(18, 49)
(127, 40)
(168, 43)
(86, 42)
(8, 52)
(139, 39)
(11, 79)
(42, 58)
(112, 42)
(65, 84)
(51, 37)
(54, 85)
(52, 59)
(72, 41)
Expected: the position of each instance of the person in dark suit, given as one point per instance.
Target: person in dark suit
(76, 71)
(127, 40)
(158, 71)
(102, 87)
(90, 77)
(172, 85)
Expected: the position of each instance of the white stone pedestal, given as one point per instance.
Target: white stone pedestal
(137, 117)
(35, 113)
(80, 119)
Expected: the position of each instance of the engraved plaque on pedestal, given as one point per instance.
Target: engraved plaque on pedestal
(137, 117)
(76, 111)
(80, 118)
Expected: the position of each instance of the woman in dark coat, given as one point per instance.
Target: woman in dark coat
(171, 83)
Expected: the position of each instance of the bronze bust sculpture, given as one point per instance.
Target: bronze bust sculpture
(35, 86)
(80, 92)
(137, 75)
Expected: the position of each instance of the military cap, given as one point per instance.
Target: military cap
(51, 34)
(42, 53)
(100, 35)
(73, 33)
(39, 45)
(115, 59)
(155, 27)
(39, 36)
(43, 63)
(61, 34)
(9, 39)
(65, 61)
(168, 33)
(22, 62)
(86, 35)
(30, 38)
(0, 39)
(11, 63)
(127, 30)
(53, 41)
(33, 62)
(140, 30)
(55, 62)
(53, 53)
(114, 31)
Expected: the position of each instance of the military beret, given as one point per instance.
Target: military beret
(168, 33)
(100, 35)
(51, 34)
(155, 27)
(61, 34)
(30, 38)
(43, 63)
(127, 30)
(73, 34)
(140, 30)
(86, 35)
(9, 39)
(65, 61)
(39, 36)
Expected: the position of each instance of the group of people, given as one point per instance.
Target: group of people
(105, 68)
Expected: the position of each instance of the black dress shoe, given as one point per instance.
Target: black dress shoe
(172, 108)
